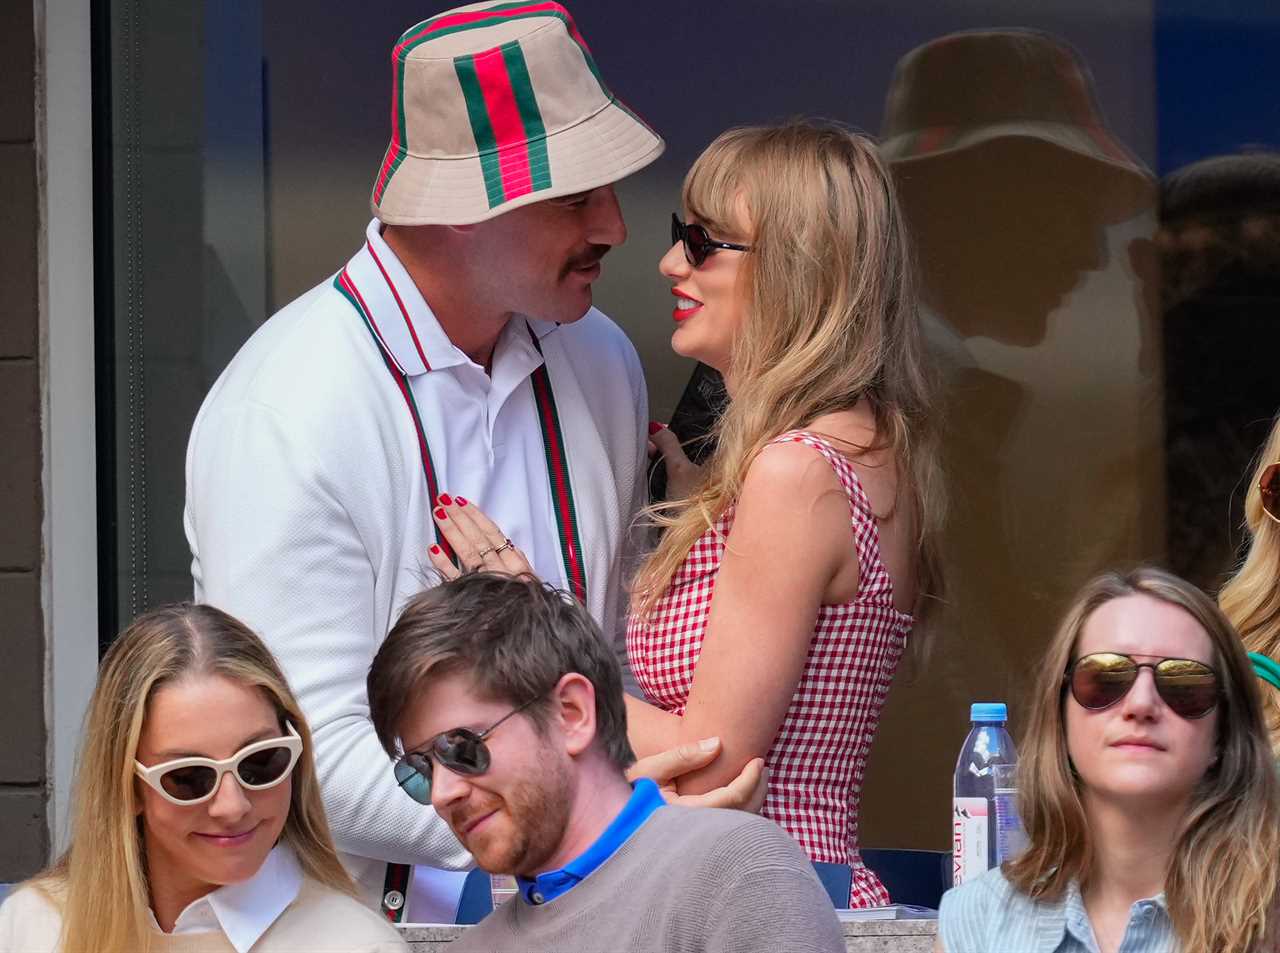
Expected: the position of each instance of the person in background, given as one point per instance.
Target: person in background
(1251, 597)
(1146, 788)
(792, 566)
(501, 706)
(196, 820)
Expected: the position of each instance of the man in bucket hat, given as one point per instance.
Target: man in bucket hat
(456, 352)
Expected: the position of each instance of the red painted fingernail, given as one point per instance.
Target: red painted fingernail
(441, 514)
(654, 427)
(444, 499)
(461, 501)
(435, 550)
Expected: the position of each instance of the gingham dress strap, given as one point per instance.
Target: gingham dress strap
(875, 584)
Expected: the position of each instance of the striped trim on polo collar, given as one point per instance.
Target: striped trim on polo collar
(347, 288)
(517, 78)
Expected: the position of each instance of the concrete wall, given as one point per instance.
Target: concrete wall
(24, 833)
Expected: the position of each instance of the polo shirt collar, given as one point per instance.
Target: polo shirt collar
(245, 911)
(645, 799)
(407, 327)
(403, 321)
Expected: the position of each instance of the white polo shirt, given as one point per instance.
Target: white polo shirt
(309, 517)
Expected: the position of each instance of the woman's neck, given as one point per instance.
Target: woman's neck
(1131, 846)
(172, 891)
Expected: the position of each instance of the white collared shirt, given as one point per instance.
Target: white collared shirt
(244, 911)
(309, 519)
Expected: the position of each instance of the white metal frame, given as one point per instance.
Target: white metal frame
(69, 572)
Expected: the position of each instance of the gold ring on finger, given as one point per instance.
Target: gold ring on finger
(504, 547)
(484, 552)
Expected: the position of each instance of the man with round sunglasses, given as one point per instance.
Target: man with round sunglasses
(500, 707)
(456, 354)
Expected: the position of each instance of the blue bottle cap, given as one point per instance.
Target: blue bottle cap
(988, 711)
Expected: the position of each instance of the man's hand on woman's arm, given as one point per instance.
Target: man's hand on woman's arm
(745, 792)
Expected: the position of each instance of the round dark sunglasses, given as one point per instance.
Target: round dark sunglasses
(697, 243)
(461, 750)
(1098, 681)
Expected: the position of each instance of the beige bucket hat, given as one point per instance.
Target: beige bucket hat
(966, 90)
(499, 105)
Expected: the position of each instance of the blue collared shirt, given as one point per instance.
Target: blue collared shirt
(645, 799)
(988, 915)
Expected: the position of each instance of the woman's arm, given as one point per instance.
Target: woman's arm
(791, 539)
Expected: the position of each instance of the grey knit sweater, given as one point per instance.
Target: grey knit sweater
(689, 880)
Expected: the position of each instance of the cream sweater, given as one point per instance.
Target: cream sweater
(321, 920)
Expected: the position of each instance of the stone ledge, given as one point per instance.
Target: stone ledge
(866, 936)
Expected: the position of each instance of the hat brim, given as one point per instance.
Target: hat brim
(604, 148)
(1118, 179)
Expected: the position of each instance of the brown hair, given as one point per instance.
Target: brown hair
(1221, 883)
(515, 637)
(101, 881)
(830, 318)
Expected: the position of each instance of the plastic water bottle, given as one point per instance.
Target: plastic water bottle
(985, 828)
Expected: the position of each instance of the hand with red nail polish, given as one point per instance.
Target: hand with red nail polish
(444, 499)
(441, 514)
(462, 501)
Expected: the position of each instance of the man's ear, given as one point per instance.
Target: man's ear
(574, 707)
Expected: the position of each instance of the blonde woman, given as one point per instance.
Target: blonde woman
(1146, 788)
(777, 605)
(197, 823)
(1251, 598)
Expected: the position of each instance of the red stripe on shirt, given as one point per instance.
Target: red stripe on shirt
(403, 311)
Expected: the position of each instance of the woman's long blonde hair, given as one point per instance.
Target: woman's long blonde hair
(1251, 598)
(830, 318)
(100, 883)
(1221, 883)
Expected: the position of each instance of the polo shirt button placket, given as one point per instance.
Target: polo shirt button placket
(394, 900)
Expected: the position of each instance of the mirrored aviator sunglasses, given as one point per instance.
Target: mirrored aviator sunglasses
(257, 766)
(1269, 491)
(461, 750)
(1098, 681)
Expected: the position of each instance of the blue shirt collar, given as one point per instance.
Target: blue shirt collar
(1149, 923)
(645, 799)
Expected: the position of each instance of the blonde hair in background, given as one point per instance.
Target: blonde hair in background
(831, 317)
(100, 883)
(1221, 883)
(1251, 598)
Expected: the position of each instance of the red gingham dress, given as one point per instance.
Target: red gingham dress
(817, 759)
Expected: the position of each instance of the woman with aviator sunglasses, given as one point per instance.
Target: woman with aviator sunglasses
(1251, 598)
(196, 818)
(1146, 789)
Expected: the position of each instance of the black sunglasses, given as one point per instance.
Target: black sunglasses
(1098, 681)
(697, 243)
(461, 750)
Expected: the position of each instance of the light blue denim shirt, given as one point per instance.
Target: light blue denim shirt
(987, 915)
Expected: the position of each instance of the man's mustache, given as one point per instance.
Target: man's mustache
(585, 259)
